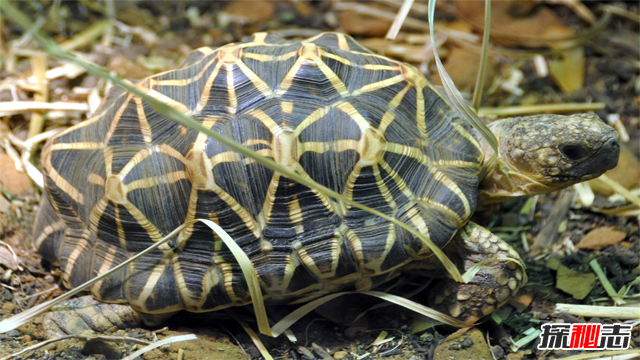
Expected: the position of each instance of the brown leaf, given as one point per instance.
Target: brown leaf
(601, 237)
(627, 172)
(361, 24)
(462, 64)
(252, 12)
(535, 24)
(568, 70)
(11, 180)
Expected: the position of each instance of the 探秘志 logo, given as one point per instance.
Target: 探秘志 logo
(585, 337)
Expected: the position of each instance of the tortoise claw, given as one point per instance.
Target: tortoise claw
(501, 276)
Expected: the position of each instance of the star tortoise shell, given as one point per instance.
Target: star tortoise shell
(364, 125)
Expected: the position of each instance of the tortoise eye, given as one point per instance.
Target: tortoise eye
(574, 152)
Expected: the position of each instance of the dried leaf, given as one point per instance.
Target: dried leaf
(254, 12)
(12, 180)
(575, 283)
(516, 23)
(462, 64)
(627, 173)
(601, 237)
(568, 71)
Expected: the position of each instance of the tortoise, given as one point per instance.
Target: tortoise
(369, 127)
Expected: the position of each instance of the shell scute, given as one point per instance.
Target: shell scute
(353, 121)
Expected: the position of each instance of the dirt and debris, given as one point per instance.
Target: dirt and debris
(542, 52)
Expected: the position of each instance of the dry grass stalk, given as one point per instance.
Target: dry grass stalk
(13, 154)
(86, 37)
(609, 312)
(616, 123)
(68, 70)
(401, 16)
(21, 106)
(549, 232)
(615, 186)
(579, 8)
(585, 193)
(618, 11)
(252, 334)
(416, 8)
(39, 67)
(538, 109)
(365, 9)
(157, 344)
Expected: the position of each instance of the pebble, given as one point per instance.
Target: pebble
(7, 308)
(497, 351)
(340, 354)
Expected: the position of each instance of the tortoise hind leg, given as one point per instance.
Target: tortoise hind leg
(83, 314)
(48, 230)
(497, 281)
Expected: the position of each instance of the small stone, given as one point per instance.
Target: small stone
(516, 356)
(4, 206)
(340, 354)
(8, 307)
(109, 350)
(497, 351)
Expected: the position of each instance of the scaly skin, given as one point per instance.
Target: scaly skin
(544, 153)
(536, 155)
(501, 276)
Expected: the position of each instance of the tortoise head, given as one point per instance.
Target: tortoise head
(544, 153)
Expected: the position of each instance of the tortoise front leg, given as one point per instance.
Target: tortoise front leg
(500, 277)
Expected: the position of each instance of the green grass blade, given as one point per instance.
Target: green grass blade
(303, 310)
(456, 99)
(482, 71)
(250, 276)
(252, 334)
